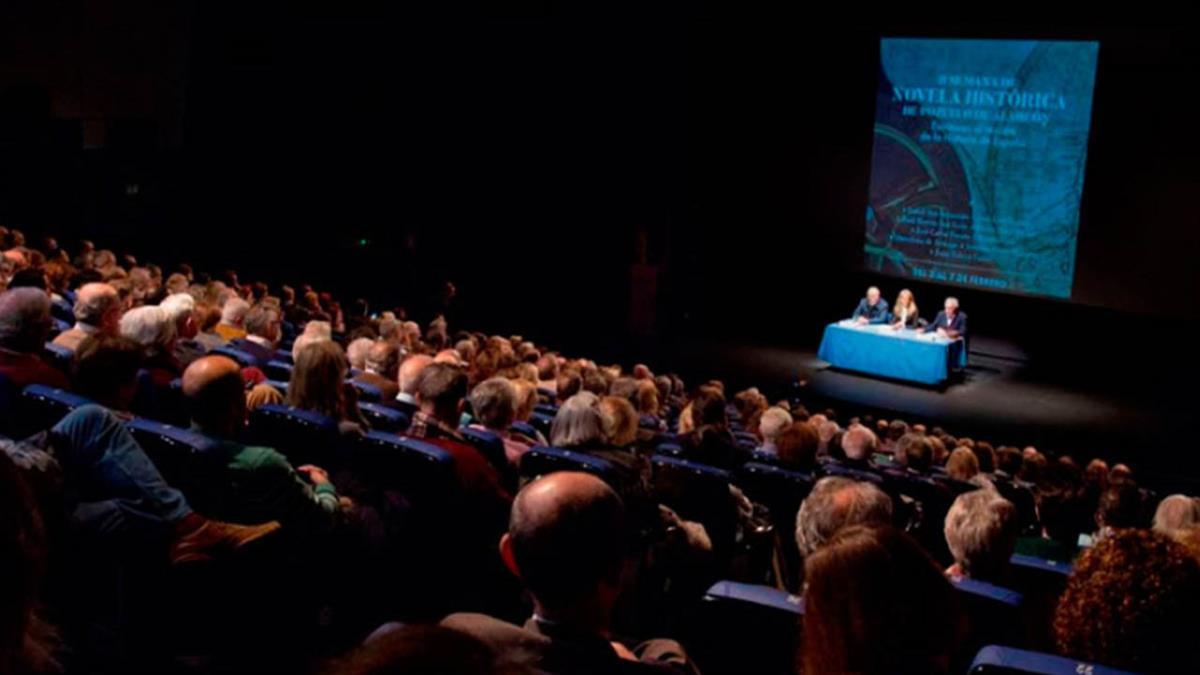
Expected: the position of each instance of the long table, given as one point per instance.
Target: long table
(881, 350)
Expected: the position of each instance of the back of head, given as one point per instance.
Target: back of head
(1130, 603)
(317, 379)
(567, 534)
(24, 320)
(151, 327)
(708, 408)
(835, 503)
(915, 451)
(567, 385)
(96, 303)
(579, 422)
(620, 419)
(178, 306)
(262, 321)
(797, 445)
(215, 394)
(494, 403)
(234, 311)
(410, 372)
(106, 368)
(383, 358)
(962, 464)
(875, 602)
(859, 443)
(547, 366)
(1120, 506)
(356, 352)
(442, 387)
(773, 422)
(981, 532)
(1175, 513)
(1008, 460)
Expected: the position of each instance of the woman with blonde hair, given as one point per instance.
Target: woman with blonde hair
(904, 312)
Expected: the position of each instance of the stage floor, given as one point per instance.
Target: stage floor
(1119, 411)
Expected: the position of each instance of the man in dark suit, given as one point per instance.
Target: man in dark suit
(872, 309)
(262, 334)
(383, 359)
(950, 322)
(567, 541)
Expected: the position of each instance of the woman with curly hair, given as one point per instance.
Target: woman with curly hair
(1131, 603)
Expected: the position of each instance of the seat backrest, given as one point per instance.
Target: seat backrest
(278, 370)
(244, 359)
(542, 422)
(996, 660)
(59, 356)
(367, 392)
(766, 597)
(762, 621)
(541, 460)
(383, 418)
(41, 407)
(525, 429)
(303, 436)
(420, 470)
(546, 409)
(284, 355)
(489, 444)
(669, 448)
(995, 613)
(780, 490)
(64, 311)
(185, 459)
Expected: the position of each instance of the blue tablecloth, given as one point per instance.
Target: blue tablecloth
(898, 354)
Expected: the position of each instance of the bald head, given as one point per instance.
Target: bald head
(410, 370)
(567, 538)
(382, 358)
(98, 305)
(215, 393)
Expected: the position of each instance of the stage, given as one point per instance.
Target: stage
(1117, 410)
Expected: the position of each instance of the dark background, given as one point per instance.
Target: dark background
(541, 155)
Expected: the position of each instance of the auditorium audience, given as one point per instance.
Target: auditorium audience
(97, 310)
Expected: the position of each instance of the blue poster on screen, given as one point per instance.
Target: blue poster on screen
(978, 161)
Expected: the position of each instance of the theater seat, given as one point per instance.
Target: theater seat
(284, 355)
(41, 407)
(1041, 582)
(541, 460)
(490, 445)
(383, 418)
(304, 437)
(745, 439)
(420, 470)
(781, 490)
(366, 392)
(64, 311)
(701, 493)
(58, 326)
(525, 429)
(995, 613)
(278, 370)
(670, 449)
(542, 422)
(59, 356)
(244, 359)
(995, 660)
(184, 458)
(739, 628)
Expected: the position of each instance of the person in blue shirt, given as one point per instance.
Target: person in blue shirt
(950, 322)
(872, 309)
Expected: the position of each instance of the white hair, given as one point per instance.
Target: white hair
(357, 350)
(952, 299)
(303, 340)
(319, 329)
(772, 422)
(981, 531)
(1175, 513)
(234, 311)
(579, 422)
(150, 326)
(178, 306)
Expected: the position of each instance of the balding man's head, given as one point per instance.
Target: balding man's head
(215, 393)
(98, 305)
(873, 295)
(410, 370)
(859, 442)
(382, 358)
(24, 319)
(567, 540)
(834, 503)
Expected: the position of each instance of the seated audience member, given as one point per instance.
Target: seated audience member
(263, 326)
(1058, 514)
(24, 325)
(835, 503)
(260, 483)
(872, 309)
(981, 533)
(182, 311)
(949, 322)
(407, 379)
(1130, 603)
(859, 444)
(962, 465)
(152, 329)
(620, 422)
(318, 383)
(796, 446)
(914, 452)
(567, 385)
(527, 399)
(1176, 513)
(233, 319)
(493, 402)
(771, 423)
(875, 603)
(356, 352)
(710, 441)
(567, 543)
(547, 366)
(97, 310)
(414, 648)
(382, 369)
(1121, 507)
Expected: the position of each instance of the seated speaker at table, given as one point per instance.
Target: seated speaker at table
(872, 309)
(904, 312)
(950, 322)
